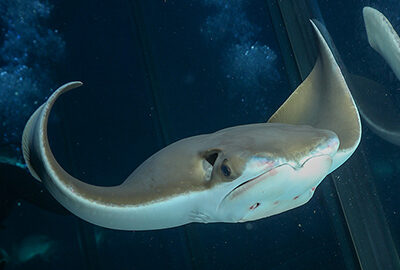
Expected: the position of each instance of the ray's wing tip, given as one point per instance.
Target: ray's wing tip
(372, 17)
(62, 89)
(72, 84)
(77, 83)
(316, 25)
(369, 10)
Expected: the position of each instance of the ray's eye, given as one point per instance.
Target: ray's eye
(225, 170)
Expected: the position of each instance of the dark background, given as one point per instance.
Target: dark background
(152, 77)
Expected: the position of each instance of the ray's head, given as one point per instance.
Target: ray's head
(265, 169)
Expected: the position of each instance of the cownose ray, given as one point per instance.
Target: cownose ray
(236, 174)
(383, 38)
(374, 101)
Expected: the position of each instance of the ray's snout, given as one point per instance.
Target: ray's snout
(329, 146)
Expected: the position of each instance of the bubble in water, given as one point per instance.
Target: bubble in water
(249, 66)
(28, 51)
(249, 226)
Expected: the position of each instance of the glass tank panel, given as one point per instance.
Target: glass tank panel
(380, 97)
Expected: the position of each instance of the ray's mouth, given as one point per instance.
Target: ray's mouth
(252, 181)
(271, 171)
(327, 148)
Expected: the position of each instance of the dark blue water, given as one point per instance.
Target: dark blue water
(155, 72)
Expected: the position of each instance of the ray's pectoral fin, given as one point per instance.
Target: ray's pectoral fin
(375, 102)
(324, 101)
(383, 38)
(44, 167)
